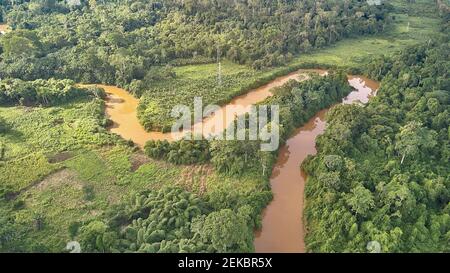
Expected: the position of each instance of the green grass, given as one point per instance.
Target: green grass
(21, 173)
(36, 134)
(354, 52)
(202, 71)
(57, 191)
(54, 129)
(62, 201)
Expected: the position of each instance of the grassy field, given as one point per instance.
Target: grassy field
(62, 167)
(353, 52)
(83, 188)
(205, 70)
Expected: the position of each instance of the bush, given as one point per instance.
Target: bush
(179, 152)
(45, 92)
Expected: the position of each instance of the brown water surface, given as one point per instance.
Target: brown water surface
(282, 224)
(121, 108)
(4, 28)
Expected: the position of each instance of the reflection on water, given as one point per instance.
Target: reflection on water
(282, 225)
(366, 89)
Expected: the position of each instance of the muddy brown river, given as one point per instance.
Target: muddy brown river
(4, 28)
(282, 224)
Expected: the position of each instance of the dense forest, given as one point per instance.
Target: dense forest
(169, 220)
(141, 34)
(43, 92)
(382, 172)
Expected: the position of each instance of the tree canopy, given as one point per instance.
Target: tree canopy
(382, 172)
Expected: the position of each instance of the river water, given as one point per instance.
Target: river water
(282, 224)
(4, 28)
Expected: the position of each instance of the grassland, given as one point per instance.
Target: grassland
(405, 31)
(60, 165)
(82, 189)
